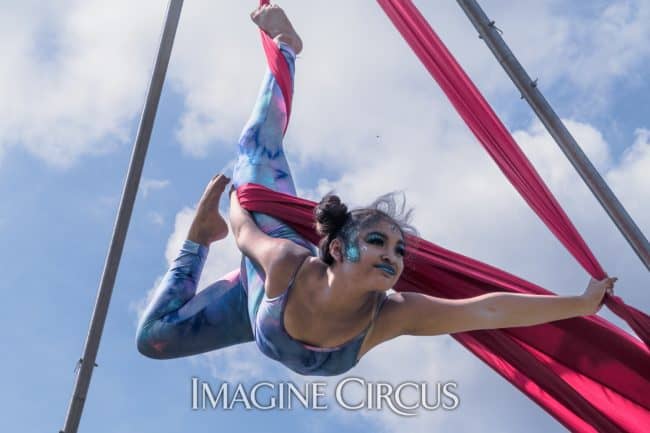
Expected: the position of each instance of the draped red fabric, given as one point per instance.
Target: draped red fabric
(498, 142)
(587, 373)
(279, 68)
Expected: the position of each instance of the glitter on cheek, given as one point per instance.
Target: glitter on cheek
(352, 253)
(351, 246)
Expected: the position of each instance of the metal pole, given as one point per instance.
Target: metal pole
(489, 33)
(87, 362)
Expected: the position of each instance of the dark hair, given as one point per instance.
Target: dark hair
(333, 220)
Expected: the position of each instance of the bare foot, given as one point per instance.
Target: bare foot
(208, 225)
(274, 22)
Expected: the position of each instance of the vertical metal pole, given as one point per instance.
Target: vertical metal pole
(556, 128)
(87, 362)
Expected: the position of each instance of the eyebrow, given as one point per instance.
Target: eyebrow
(386, 237)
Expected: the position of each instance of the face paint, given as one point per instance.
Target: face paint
(351, 246)
(350, 237)
(352, 253)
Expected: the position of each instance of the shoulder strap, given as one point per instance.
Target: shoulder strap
(378, 306)
(295, 273)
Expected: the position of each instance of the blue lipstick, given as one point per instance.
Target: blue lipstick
(388, 268)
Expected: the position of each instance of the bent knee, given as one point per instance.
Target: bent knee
(146, 349)
(150, 347)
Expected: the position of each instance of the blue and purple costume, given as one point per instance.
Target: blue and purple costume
(235, 309)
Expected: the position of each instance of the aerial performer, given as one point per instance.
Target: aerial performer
(317, 309)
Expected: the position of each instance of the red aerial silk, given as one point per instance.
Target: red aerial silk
(279, 68)
(587, 373)
(496, 139)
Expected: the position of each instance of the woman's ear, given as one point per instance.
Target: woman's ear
(336, 250)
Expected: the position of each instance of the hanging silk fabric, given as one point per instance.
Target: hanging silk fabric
(587, 373)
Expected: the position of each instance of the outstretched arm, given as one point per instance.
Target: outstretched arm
(421, 314)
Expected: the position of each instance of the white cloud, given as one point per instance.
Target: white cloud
(631, 179)
(552, 164)
(611, 46)
(88, 67)
(156, 218)
(582, 51)
(139, 306)
(147, 185)
(77, 75)
(102, 207)
(402, 100)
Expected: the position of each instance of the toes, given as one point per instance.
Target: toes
(259, 10)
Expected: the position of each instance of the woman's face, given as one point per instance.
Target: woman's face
(377, 254)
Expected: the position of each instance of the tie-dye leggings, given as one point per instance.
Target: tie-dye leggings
(177, 321)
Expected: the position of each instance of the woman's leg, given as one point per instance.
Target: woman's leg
(178, 322)
(262, 160)
(261, 157)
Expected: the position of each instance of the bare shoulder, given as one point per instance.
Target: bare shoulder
(411, 313)
(387, 323)
(289, 257)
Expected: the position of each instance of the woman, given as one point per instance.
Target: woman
(318, 314)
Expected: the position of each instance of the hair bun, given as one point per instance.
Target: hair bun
(330, 215)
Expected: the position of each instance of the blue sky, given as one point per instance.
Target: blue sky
(73, 84)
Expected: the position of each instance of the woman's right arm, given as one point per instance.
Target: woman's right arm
(251, 240)
(276, 256)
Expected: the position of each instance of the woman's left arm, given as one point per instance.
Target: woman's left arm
(512, 309)
(419, 314)
(505, 310)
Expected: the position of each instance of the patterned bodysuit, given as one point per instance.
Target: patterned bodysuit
(235, 309)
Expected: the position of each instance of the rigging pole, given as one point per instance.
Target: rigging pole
(86, 364)
(528, 88)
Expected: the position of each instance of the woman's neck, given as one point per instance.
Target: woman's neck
(338, 297)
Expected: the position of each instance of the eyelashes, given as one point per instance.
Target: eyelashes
(376, 240)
